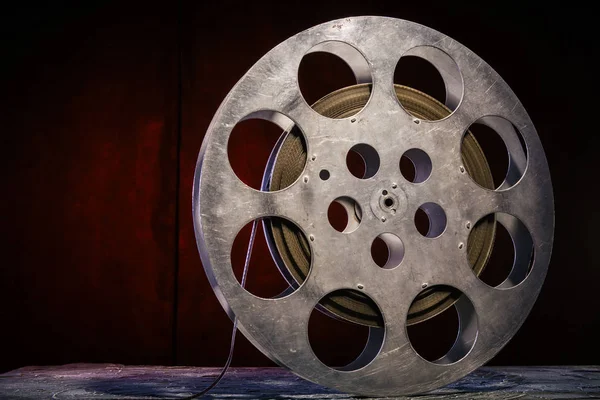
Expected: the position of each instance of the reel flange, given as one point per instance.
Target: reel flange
(455, 200)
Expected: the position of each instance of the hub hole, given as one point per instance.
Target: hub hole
(387, 250)
(344, 214)
(430, 220)
(415, 165)
(362, 161)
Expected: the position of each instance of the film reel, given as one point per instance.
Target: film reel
(427, 271)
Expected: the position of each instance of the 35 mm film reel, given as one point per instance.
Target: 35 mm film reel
(427, 271)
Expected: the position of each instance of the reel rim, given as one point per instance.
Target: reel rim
(387, 373)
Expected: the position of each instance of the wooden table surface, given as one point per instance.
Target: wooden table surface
(111, 381)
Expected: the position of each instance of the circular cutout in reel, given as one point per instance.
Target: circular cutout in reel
(433, 262)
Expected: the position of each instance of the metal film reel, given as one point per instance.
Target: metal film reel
(426, 272)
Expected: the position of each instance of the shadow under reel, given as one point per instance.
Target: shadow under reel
(428, 270)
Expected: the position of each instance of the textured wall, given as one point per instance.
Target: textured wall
(99, 255)
(89, 171)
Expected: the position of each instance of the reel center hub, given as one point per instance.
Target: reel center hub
(388, 200)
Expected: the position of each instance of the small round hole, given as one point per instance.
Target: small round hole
(388, 202)
(436, 220)
(324, 174)
(344, 214)
(415, 165)
(387, 250)
(362, 161)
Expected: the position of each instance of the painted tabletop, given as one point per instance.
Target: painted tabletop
(112, 381)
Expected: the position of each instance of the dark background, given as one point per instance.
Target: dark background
(104, 107)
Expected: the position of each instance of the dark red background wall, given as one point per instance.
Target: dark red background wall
(104, 108)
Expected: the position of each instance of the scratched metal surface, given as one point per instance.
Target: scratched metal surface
(489, 316)
(111, 381)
